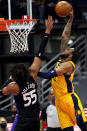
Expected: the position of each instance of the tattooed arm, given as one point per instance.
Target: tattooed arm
(66, 33)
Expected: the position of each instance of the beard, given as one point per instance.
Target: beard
(63, 56)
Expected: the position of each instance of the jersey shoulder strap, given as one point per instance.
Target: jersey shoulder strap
(72, 64)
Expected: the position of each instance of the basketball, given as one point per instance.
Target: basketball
(63, 8)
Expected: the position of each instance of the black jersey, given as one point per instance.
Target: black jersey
(27, 100)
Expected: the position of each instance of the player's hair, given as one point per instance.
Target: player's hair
(20, 74)
(75, 55)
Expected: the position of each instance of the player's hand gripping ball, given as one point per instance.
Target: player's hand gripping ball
(63, 8)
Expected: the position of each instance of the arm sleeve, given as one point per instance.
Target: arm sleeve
(48, 75)
(42, 46)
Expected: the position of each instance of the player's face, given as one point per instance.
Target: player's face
(67, 54)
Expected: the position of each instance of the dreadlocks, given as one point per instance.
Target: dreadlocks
(20, 73)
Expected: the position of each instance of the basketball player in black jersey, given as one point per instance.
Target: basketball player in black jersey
(23, 85)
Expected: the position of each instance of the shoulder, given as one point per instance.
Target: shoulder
(65, 67)
(72, 63)
(68, 64)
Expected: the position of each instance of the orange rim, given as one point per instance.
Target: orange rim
(3, 23)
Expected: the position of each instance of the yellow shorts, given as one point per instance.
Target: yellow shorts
(70, 110)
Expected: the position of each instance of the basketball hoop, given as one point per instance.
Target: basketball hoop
(18, 31)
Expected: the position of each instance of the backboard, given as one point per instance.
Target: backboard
(15, 9)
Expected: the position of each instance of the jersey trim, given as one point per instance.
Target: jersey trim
(69, 84)
(72, 64)
(78, 112)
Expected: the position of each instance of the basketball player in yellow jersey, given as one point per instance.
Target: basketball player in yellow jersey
(69, 107)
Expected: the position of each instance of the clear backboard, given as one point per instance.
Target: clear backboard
(15, 9)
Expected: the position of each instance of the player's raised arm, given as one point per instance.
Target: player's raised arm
(34, 68)
(66, 33)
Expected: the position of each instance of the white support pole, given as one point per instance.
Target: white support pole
(9, 9)
(29, 8)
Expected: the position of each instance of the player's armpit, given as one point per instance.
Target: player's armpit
(64, 68)
(5, 91)
(12, 88)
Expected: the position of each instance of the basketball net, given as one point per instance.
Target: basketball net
(19, 36)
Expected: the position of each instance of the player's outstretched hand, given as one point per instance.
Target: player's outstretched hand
(49, 24)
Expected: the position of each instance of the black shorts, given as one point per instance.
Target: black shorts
(26, 124)
(54, 129)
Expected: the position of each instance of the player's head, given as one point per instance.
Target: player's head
(3, 123)
(19, 73)
(70, 54)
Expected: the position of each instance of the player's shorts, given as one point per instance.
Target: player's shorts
(70, 110)
(26, 124)
(54, 129)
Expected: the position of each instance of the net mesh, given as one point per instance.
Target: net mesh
(19, 36)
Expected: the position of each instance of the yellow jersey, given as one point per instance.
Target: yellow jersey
(68, 104)
(62, 84)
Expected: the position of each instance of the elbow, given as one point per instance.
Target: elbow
(5, 91)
